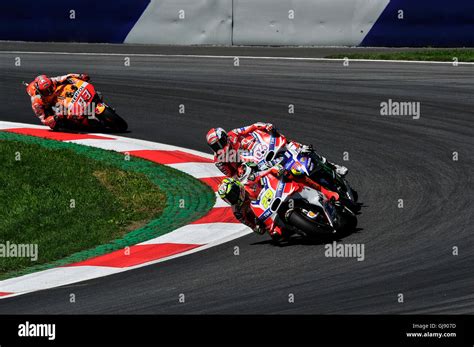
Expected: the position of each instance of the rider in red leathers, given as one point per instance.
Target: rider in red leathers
(43, 97)
(226, 147)
(239, 195)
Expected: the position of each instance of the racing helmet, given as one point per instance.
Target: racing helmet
(231, 191)
(216, 139)
(44, 85)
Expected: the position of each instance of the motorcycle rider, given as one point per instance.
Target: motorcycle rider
(234, 193)
(226, 147)
(240, 195)
(42, 91)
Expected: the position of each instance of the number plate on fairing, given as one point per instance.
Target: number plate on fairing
(267, 198)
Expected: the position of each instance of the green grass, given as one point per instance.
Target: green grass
(463, 55)
(36, 205)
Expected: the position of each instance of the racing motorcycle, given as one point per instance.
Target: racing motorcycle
(80, 107)
(272, 149)
(299, 209)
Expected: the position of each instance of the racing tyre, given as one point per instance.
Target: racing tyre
(355, 195)
(113, 121)
(303, 223)
(349, 221)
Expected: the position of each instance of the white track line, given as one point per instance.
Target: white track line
(197, 170)
(233, 56)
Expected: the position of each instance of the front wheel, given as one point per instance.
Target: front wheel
(355, 195)
(348, 221)
(307, 225)
(112, 120)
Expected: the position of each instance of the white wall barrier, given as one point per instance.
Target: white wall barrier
(399, 23)
(184, 22)
(304, 22)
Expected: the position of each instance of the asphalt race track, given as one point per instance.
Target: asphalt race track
(407, 250)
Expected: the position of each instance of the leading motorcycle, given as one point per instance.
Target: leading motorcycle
(272, 148)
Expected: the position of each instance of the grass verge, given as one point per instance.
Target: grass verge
(463, 55)
(65, 202)
(118, 201)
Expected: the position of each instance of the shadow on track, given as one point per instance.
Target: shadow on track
(299, 240)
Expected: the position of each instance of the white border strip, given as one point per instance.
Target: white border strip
(239, 56)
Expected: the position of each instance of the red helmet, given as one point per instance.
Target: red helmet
(217, 139)
(44, 85)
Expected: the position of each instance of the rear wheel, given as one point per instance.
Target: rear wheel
(112, 120)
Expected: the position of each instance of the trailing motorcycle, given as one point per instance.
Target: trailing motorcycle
(298, 208)
(80, 107)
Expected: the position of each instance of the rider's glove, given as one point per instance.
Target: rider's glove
(84, 77)
(241, 171)
(306, 148)
(51, 121)
(268, 127)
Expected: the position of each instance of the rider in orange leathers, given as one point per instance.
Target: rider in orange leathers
(42, 91)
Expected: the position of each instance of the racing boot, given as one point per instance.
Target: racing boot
(340, 170)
